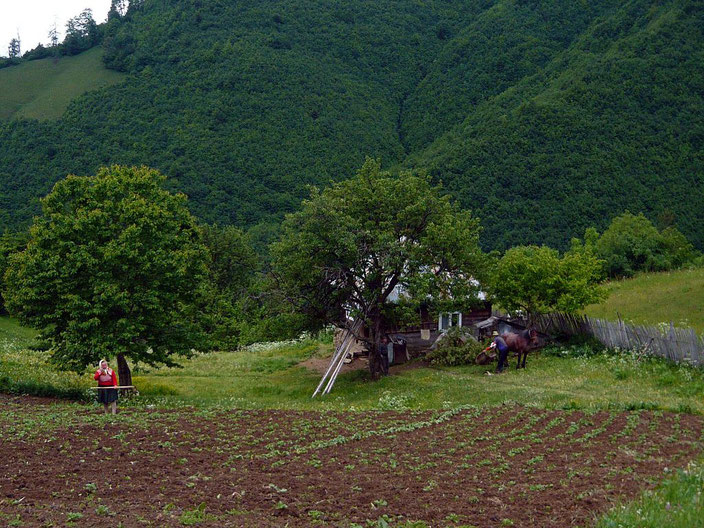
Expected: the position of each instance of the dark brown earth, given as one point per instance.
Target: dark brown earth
(320, 365)
(477, 467)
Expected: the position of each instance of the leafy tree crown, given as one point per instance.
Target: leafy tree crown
(113, 266)
(537, 280)
(352, 244)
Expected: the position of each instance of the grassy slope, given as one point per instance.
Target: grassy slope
(651, 298)
(42, 89)
(25, 371)
(10, 331)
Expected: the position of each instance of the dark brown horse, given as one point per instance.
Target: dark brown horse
(522, 342)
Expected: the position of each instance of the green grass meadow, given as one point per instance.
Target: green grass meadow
(42, 89)
(652, 298)
(254, 379)
(270, 376)
(26, 371)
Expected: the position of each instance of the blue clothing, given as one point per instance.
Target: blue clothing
(503, 353)
(107, 395)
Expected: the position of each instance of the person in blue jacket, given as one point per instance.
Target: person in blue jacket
(500, 344)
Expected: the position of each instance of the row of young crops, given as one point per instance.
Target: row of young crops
(476, 466)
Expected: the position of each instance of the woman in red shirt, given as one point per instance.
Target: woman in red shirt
(106, 378)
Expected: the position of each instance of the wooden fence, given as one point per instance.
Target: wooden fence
(676, 344)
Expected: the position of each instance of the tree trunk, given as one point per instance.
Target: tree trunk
(375, 365)
(375, 362)
(124, 375)
(530, 319)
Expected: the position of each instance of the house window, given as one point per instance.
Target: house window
(448, 319)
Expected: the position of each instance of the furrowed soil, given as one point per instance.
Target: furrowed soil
(66, 465)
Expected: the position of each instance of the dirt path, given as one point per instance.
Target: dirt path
(320, 365)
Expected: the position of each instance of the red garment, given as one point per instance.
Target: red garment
(106, 380)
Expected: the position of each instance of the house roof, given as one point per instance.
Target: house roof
(487, 323)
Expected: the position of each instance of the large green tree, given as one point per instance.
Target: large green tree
(351, 245)
(10, 243)
(233, 267)
(113, 267)
(537, 279)
(632, 243)
(81, 33)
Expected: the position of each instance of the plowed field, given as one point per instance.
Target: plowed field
(62, 464)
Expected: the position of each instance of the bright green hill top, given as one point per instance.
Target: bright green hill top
(42, 89)
(653, 298)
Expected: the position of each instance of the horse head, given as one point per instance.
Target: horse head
(533, 336)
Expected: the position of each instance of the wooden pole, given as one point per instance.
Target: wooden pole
(333, 363)
(337, 369)
(339, 355)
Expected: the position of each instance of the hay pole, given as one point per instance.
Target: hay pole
(341, 361)
(337, 370)
(333, 362)
(338, 357)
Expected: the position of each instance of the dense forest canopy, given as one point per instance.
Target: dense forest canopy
(541, 117)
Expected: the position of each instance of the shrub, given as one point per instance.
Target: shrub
(455, 349)
(575, 347)
(680, 250)
(41, 389)
(538, 279)
(585, 341)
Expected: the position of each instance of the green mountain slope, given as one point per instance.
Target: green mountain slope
(241, 104)
(544, 117)
(42, 89)
(614, 122)
(504, 44)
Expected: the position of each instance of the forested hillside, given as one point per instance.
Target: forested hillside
(614, 122)
(543, 117)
